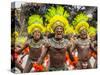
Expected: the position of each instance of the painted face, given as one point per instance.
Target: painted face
(93, 37)
(83, 34)
(36, 34)
(59, 32)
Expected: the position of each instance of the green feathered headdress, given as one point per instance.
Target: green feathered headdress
(35, 19)
(92, 31)
(70, 30)
(35, 22)
(80, 22)
(55, 14)
(56, 11)
(80, 17)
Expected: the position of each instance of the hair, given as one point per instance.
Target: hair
(58, 26)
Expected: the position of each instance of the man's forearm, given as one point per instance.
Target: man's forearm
(43, 54)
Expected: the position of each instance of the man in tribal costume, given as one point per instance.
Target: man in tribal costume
(57, 45)
(93, 38)
(83, 46)
(83, 43)
(35, 28)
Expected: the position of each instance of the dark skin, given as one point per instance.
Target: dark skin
(83, 46)
(94, 50)
(57, 54)
(94, 43)
(35, 51)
